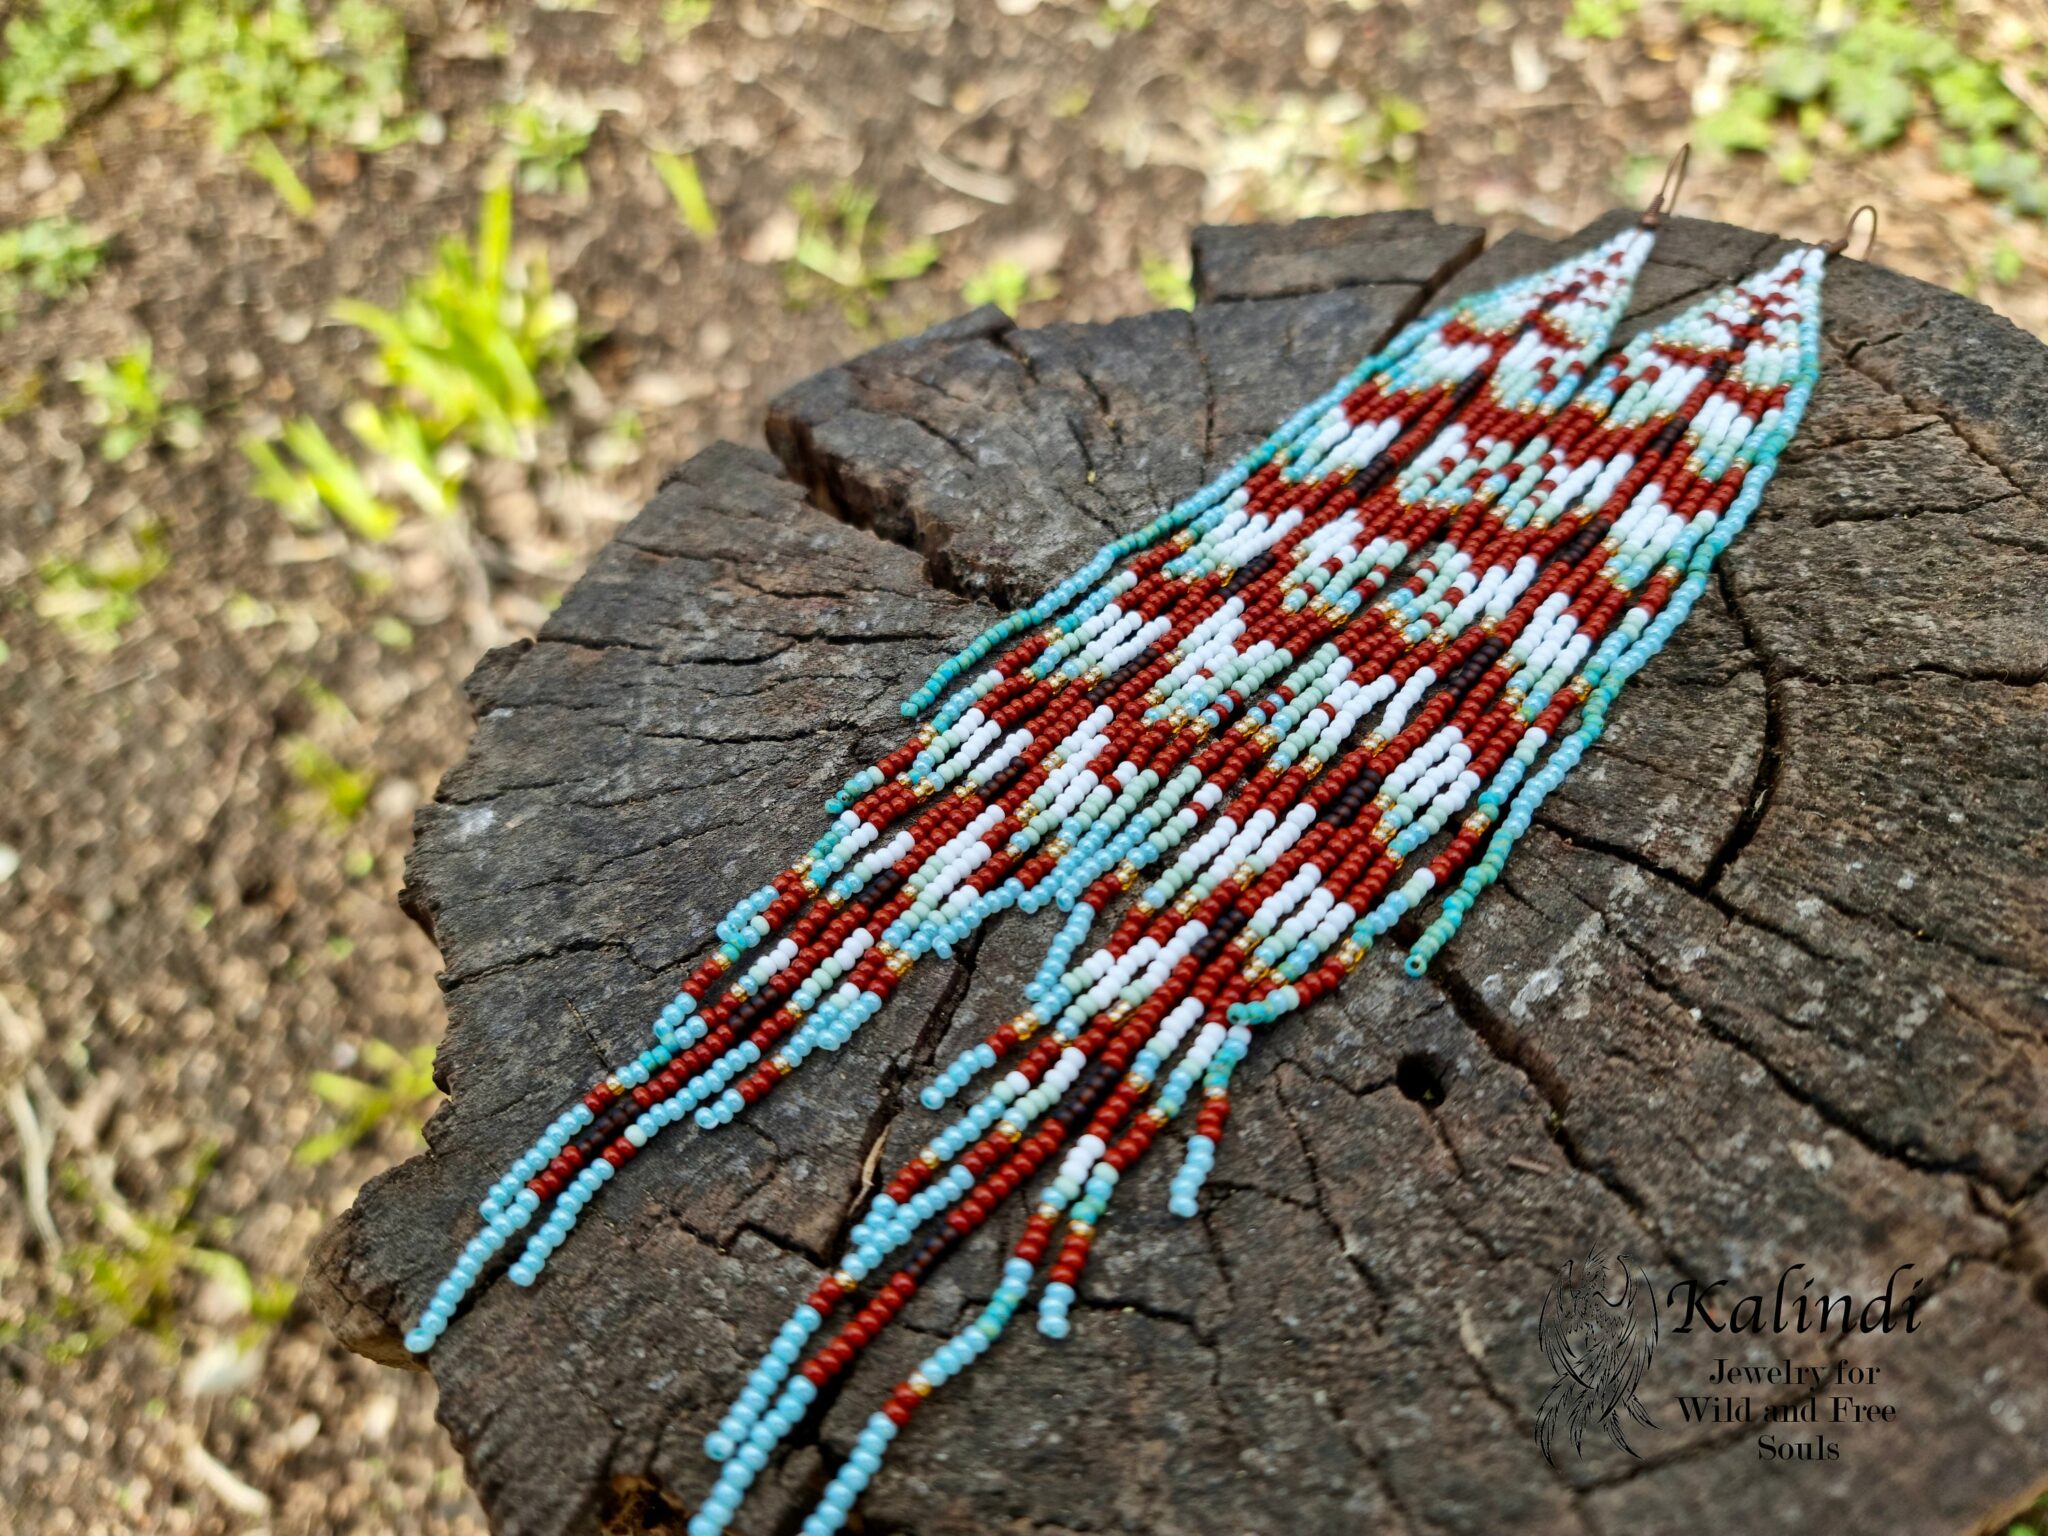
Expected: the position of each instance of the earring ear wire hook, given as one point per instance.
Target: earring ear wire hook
(1668, 189)
(1837, 246)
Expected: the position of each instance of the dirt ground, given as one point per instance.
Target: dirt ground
(189, 932)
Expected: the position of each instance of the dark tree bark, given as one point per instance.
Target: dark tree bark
(1764, 987)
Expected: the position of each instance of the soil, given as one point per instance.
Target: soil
(186, 933)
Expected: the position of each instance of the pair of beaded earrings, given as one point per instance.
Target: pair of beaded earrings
(1414, 605)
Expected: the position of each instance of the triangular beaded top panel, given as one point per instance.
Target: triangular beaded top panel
(1544, 327)
(1261, 713)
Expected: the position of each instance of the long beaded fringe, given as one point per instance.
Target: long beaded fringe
(1187, 703)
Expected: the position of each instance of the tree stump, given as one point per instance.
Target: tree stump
(1764, 988)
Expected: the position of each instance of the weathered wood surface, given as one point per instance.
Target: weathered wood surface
(1765, 987)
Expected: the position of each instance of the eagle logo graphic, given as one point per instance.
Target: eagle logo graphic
(1599, 1349)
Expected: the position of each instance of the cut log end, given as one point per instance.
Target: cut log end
(1763, 988)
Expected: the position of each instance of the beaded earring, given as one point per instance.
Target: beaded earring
(1549, 531)
(1674, 441)
(1096, 744)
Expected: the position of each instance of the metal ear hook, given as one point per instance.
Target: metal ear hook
(1837, 247)
(1668, 188)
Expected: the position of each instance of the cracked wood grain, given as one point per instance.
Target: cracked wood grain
(1768, 983)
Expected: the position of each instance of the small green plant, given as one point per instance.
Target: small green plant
(279, 67)
(1008, 286)
(92, 598)
(2033, 1523)
(2004, 267)
(1121, 16)
(126, 404)
(1296, 156)
(679, 174)
(2007, 265)
(397, 1084)
(1170, 283)
(132, 1278)
(682, 17)
(841, 251)
(51, 258)
(469, 342)
(544, 138)
(1603, 19)
(321, 480)
(268, 161)
(341, 792)
(1850, 75)
(465, 362)
(330, 71)
(409, 456)
(57, 49)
